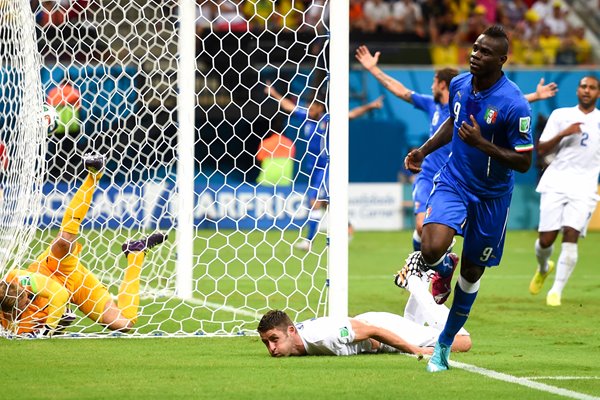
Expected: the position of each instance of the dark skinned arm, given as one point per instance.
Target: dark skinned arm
(442, 136)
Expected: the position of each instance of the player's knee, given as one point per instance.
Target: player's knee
(546, 239)
(431, 251)
(570, 235)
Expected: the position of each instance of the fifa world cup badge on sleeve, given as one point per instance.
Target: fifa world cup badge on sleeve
(524, 123)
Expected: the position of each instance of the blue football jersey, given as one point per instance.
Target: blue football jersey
(504, 117)
(315, 134)
(437, 114)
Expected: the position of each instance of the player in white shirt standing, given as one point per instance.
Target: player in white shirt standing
(371, 332)
(568, 186)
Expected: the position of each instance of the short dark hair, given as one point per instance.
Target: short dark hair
(274, 319)
(498, 32)
(446, 75)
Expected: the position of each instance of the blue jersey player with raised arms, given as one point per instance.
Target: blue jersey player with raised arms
(489, 129)
(436, 108)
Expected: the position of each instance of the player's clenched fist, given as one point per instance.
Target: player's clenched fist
(413, 161)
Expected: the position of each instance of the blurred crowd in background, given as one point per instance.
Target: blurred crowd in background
(542, 32)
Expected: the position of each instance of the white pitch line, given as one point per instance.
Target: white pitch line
(562, 378)
(523, 382)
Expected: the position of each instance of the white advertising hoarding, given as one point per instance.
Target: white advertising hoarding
(375, 206)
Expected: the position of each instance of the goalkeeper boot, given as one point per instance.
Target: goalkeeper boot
(65, 321)
(144, 244)
(94, 163)
(441, 286)
(440, 360)
(535, 286)
(413, 266)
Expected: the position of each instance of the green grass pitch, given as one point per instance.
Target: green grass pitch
(513, 333)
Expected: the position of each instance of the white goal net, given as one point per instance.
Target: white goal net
(22, 134)
(175, 95)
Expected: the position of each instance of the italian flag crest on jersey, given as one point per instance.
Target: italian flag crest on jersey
(490, 115)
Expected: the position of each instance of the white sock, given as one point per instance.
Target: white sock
(467, 286)
(542, 254)
(566, 265)
(416, 236)
(412, 311)
(427, 310)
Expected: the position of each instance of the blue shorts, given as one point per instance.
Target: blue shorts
(421, 191)
(482, 222)
(318, 188)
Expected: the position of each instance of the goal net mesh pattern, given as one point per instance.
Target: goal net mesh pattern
(111, 68)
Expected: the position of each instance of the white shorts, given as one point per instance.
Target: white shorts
(557, 210)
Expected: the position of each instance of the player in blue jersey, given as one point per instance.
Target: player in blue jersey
(489, 130)
(316, 160)
(436, 107)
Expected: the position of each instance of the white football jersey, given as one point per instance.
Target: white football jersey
(575, 165)
(335, 336)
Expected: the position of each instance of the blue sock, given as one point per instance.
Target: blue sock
(459, 312)
(314, 217)
(444, 266)
(416, 241)
(312, 224)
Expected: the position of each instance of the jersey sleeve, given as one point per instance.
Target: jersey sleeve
(423, 102)
(451, 92)
(57, 295)
(551, 129)
(519, 126)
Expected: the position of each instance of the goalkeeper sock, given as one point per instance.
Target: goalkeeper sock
(464, 296)
(416, 241)
(79, 205)
(129, 291)
(542, 255)
(314, 217)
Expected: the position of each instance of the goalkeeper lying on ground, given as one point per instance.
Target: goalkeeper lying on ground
(34, 301)
(371, 332)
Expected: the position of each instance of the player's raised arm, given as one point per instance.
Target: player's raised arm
(542, 91)
(365, 331)
(471, 134)
(369, 62)
(442, 136)
(286, 104)
(365, 108)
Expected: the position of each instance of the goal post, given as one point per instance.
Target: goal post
(190, 103)
(186, 73)
(338, 209)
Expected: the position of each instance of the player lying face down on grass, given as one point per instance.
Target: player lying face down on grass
(371, 332)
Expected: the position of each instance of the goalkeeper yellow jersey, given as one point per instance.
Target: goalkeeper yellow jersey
(48, 300)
